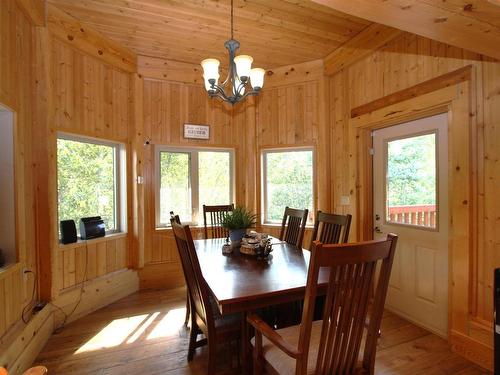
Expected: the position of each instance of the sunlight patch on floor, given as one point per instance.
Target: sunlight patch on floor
(142, 328)
(169, 325)
(113, 334)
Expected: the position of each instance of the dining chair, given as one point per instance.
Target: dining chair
(177, 219)
(216, 215)
(205, 316)
(332, 345)
(331, 228)
(293, 226)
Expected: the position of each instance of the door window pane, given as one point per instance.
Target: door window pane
(288, 181)
(175, 186)
(214, 174)
(86, 181)
(411, 181)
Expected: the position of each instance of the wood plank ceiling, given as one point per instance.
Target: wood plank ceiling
(275, 33)
(470, 24)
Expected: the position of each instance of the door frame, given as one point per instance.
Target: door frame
(451, 94)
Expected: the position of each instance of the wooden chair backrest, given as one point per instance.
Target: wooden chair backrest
(216, 214)
(197, 288)
(352, 271)
(174, 217)
(331, 228)
(293, 226)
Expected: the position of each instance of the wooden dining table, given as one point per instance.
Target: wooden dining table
(241, 283)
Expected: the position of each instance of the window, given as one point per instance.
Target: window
(188, 179)
(89, 180)
(411, 183)
(287, 180)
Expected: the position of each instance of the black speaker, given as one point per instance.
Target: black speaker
(92, 227)
(68, 231)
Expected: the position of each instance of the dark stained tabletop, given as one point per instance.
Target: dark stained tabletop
(240, 282)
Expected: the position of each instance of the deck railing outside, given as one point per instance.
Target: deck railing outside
(423, 215)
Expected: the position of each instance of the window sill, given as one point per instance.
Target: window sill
(164, 229)
(8, 269)
(80, 242)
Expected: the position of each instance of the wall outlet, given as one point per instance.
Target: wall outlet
(345, 200)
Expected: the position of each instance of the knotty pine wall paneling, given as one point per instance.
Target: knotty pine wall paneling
(402, 63)
(290, 112)
(167, 106)
(16, 93)
(91, 98)
(293, 112)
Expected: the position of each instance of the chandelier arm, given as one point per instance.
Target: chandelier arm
(240, 87)
(219, 90)
(219, 93)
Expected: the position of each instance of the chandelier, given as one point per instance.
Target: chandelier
(240, 74)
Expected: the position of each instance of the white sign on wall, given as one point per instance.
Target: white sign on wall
(193, 131)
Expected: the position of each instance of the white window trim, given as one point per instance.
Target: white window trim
(193, 177)
(264, 152)
(120, 177)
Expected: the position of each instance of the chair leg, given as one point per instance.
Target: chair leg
(212, 357)
(188, 310)
(192, 340)
(257, 354)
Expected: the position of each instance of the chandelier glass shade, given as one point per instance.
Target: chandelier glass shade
(240, 74)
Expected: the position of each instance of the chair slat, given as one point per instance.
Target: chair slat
(331, 228)
(216, 215)
(293, 226)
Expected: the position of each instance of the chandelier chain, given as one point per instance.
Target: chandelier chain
(232, 19)
(238, 86)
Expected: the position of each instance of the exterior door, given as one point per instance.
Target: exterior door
(410, 188)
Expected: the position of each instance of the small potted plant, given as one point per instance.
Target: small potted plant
(237, 222)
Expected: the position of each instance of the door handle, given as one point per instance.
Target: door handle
(377, 230)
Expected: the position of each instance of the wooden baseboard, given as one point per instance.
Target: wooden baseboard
(161, 275)
(471, 349)
(96, 293)
(21, 345)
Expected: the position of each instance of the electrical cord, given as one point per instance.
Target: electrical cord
(30, 303)
(60, 328)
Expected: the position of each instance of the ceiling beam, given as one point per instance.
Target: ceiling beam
(459, 26)
(372, 38)
(68, 29)
(34, 10)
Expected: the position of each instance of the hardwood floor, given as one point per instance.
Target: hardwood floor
(144, 334)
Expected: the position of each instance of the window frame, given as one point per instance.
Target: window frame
(119, 177)
(196, 215)
(263, 177)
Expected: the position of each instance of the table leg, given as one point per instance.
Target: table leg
(246, 347)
